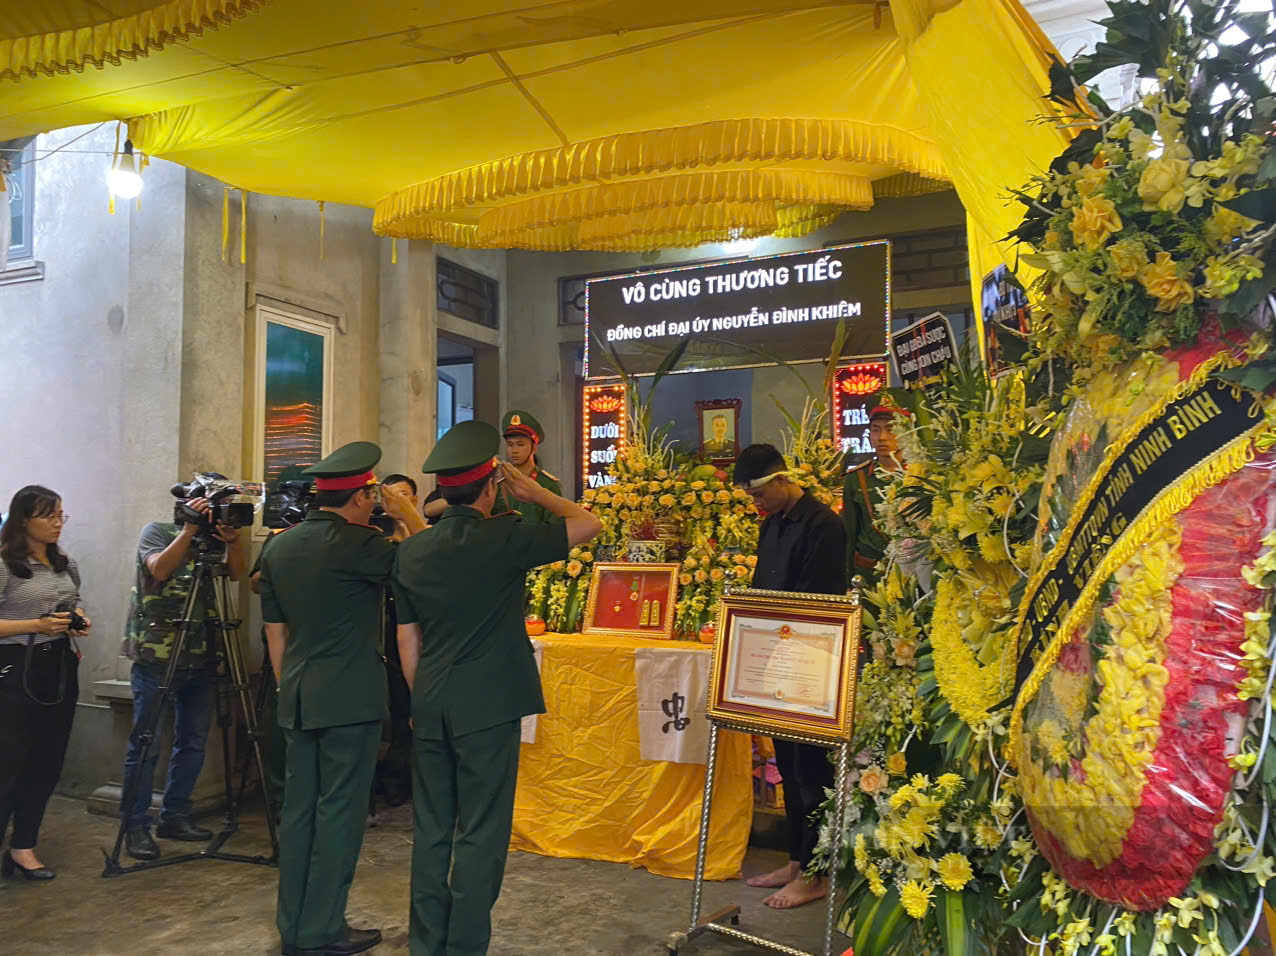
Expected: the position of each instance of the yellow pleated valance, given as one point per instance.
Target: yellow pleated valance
(729, 180)
(67, 38)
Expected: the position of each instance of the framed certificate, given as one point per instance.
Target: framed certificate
(785, 663)
(633, 600)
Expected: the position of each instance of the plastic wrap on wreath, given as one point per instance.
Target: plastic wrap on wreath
(1124, 728)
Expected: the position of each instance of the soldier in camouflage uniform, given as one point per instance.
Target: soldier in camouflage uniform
(165, 572)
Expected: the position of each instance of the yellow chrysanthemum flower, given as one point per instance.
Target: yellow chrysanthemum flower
(861, 852)
(954, 871)
(875, 884)
(915, 895)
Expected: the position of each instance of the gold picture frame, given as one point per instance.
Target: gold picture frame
(806, 691)
(632, 600)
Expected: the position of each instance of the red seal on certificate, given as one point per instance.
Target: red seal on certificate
(786, 632)
(779, 695)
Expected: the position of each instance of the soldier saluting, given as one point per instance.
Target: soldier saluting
(523, 434)
(321, 591)
(466, 656)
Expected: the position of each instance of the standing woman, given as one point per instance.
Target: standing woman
(39, 586)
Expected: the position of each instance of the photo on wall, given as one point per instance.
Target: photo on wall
(719, 429)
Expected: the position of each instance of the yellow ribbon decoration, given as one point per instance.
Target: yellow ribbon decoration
(115, 161)
(394, 252)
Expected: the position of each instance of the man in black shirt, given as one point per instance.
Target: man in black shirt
(801, 547)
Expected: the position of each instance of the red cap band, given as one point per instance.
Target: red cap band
(346, 483)
(888, 410)
(465, 477)
(522, 430)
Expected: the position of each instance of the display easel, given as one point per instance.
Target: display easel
(724, 714)
(713, 922)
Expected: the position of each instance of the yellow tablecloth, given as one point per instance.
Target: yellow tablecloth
(583, 790)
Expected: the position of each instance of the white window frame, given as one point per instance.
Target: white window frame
(266, 314)
(24, 177)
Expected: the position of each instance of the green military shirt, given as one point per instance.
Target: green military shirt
(865, 545)
(530, 513)
(324, 579)
(463, 583)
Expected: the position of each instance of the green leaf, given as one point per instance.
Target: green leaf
(875, 920)
(1259, 375)
(1257, 204)
(950, 914)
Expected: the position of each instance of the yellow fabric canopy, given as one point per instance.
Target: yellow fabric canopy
(556, 124)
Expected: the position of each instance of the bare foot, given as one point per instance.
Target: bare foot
(26, 859)
(798, 892)
(780, 877)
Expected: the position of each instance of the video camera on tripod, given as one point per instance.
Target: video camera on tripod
(232, 503)
(292, 500)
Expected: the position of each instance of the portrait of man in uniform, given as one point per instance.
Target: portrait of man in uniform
(719, 439)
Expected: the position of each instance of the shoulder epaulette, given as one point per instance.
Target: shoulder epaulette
(861, 465)
(548, 475)
(504, 514)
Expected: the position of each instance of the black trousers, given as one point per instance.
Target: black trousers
(33, 732)
(806, 772)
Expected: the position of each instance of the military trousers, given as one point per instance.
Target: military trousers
(329, 772)
(463, 811)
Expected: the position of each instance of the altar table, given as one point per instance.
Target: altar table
(584, 791)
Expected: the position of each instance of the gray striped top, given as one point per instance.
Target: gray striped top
(25, 598)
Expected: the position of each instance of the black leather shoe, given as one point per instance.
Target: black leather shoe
(356, 941)
(11, 867)
(181, 828)
(140, 846)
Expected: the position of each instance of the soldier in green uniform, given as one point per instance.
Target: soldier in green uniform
(466, 656)
(860, 493)
(321, 591)
(276, 745)
(523, 434)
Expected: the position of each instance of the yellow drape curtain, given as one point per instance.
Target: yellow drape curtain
(584, 792)
(980, 67)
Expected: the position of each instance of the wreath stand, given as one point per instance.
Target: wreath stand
(713, 923)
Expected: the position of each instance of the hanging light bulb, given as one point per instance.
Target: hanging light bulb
(123, 180)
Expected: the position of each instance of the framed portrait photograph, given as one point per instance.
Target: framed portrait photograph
(632, 600)
(785, 663)
(719, 428)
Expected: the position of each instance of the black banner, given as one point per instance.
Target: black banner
(922, 350)
(855, 389)
(603, 418)
(787, 305)
(1187, 432)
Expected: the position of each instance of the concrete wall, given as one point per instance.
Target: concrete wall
(542, 354)
(129, 366)
(92, 385)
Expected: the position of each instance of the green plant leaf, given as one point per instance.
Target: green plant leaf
(950, 915)
(881, 926)
(1257, 204)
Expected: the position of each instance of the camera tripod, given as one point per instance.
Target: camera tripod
(209, 581)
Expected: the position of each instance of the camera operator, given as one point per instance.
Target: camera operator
(39, 611)
(165, 573)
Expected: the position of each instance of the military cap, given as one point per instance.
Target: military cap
(350, 466)
(518, 423)
(888, 410)
(465, 453)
